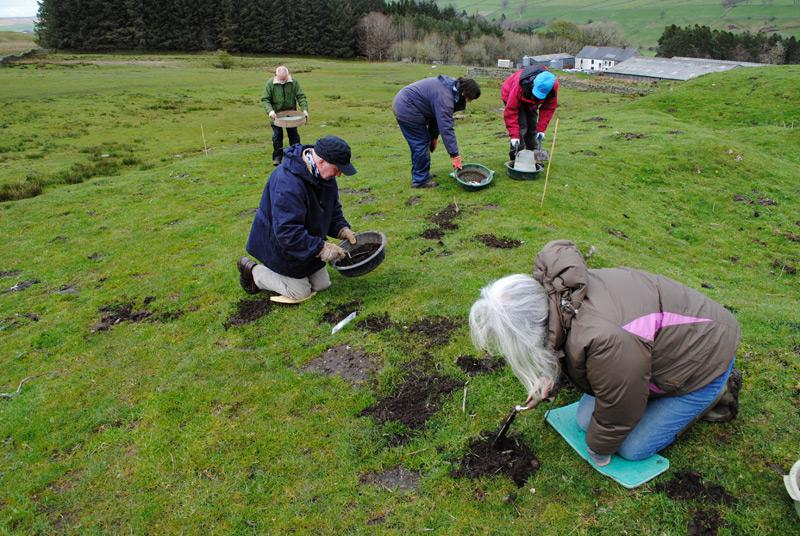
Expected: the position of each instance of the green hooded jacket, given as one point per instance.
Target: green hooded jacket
(279, 97)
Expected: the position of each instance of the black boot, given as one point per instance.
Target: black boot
(246, 280)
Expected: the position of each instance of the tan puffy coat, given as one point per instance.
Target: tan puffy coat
(628, 335)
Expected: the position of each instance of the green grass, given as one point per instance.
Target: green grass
(643, 21)
(13, 42)
(181, 426)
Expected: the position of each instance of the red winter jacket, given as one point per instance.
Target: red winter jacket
(511, 94)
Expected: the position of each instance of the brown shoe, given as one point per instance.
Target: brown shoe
(426, 184)
(246, 266)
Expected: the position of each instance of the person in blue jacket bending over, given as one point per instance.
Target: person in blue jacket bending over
(299, 209)
(424, 110)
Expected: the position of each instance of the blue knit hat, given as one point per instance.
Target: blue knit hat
(543, 83)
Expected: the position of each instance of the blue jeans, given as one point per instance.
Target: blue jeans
(418, 136)
(663, 419)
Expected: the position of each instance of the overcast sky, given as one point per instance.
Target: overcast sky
(18, 8)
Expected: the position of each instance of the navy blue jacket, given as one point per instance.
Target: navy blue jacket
(431, 102)
(296, 213)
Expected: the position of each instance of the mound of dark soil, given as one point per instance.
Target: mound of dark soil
(398, 478)
(474, 366)
(475, 177)
(631, 136)
(511, 458)
(417, 398)
(375, 323)
(434, 233)
(759, 200)
(354, 366)
(595, 119)
(337, 313)
(16, 320)
(357, 191)
(436, 329)
(22, 285)
(617, 233)
(359, 254)
(704, 523)
(9, 273)
(249, 310)
(689, 485)
(500, 243)
(413, 200)
(121, 312)
(784, 267)
(444, 217)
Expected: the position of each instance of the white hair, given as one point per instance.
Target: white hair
(282, 71)
(510, 318)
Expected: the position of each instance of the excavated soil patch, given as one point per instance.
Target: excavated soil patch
(22, 285)
(16, 320)
(116, 313)
(399, 479)
(9, 273)
(500, 243)
(596, 119)
(758, 200)
(336, 313)
(704, 523)
(436, 329)
(248, 310)
(631, 136)
(375, 323)
(434, 233)
(617, 233)
(474, 366)
(689, 485)
(416, 400)
(353, 365)
(784, 267)
(413, 200)
(444, 217)
(511, 458)
(359, 254)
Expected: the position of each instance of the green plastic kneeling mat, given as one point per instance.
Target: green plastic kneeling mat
(629, 474)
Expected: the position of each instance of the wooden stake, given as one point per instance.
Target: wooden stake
(550, 161)
(464, 400)
(203, 133)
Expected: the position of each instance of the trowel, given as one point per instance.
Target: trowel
(498, 440)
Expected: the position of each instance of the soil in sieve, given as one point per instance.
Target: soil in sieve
(358, 254)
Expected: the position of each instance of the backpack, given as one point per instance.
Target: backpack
(526, 81)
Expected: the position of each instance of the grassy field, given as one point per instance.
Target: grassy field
(643, 21)
(12, 42)
(175, 424)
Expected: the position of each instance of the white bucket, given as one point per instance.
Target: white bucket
(525, 161)
(792, 483)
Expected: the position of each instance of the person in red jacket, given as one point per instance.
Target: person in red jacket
(530, 97)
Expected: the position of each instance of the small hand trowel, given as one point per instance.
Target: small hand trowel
(498, 440)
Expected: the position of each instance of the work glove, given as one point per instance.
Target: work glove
(305, 113)
(457, 162)
(345, 233)
(434, 143)
(330, 252)
(540, 136)
(273, 115)
(600, 460)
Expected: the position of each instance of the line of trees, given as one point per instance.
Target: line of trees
(703, 42)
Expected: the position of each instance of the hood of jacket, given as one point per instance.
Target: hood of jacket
(562, 272)
(276, 81)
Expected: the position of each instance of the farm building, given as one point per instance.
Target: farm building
(560, 60)
(677, 68)
(602, 58)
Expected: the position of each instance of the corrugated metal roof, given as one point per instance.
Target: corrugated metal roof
(607, 53)
(668, 68)
(724, 62)
(549, 57)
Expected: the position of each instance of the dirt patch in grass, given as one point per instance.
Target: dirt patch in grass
(784, 267)
(22, 285)
(596, 119)
(336, 313)
(434, 233)
(353, 365)
(355, 191)
(474, 366)
(396, 479)
(757, 200)
(413, 200)
(617, 233)
(492, 241)
(689, 485)
(248, 311)
(444, 217)
(359, 254)
(67, 289)
(16, 320)
(415, 401)
(511, 458)
(631, 136)
(375, 323)
(9, 273)
(676, 132)
(437, 330)
(585, 152)
(704, 523)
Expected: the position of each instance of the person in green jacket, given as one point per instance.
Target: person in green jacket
(282, 92)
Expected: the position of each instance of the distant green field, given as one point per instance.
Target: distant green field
(643, 20)
(11, 42)
(181, 424)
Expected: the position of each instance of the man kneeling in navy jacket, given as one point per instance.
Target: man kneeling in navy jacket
(299, 209)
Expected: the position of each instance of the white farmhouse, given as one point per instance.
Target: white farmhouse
(602, 58)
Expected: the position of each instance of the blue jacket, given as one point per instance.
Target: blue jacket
(296, 212)
(431, 102)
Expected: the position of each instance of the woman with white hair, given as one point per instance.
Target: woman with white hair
(651, 355)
